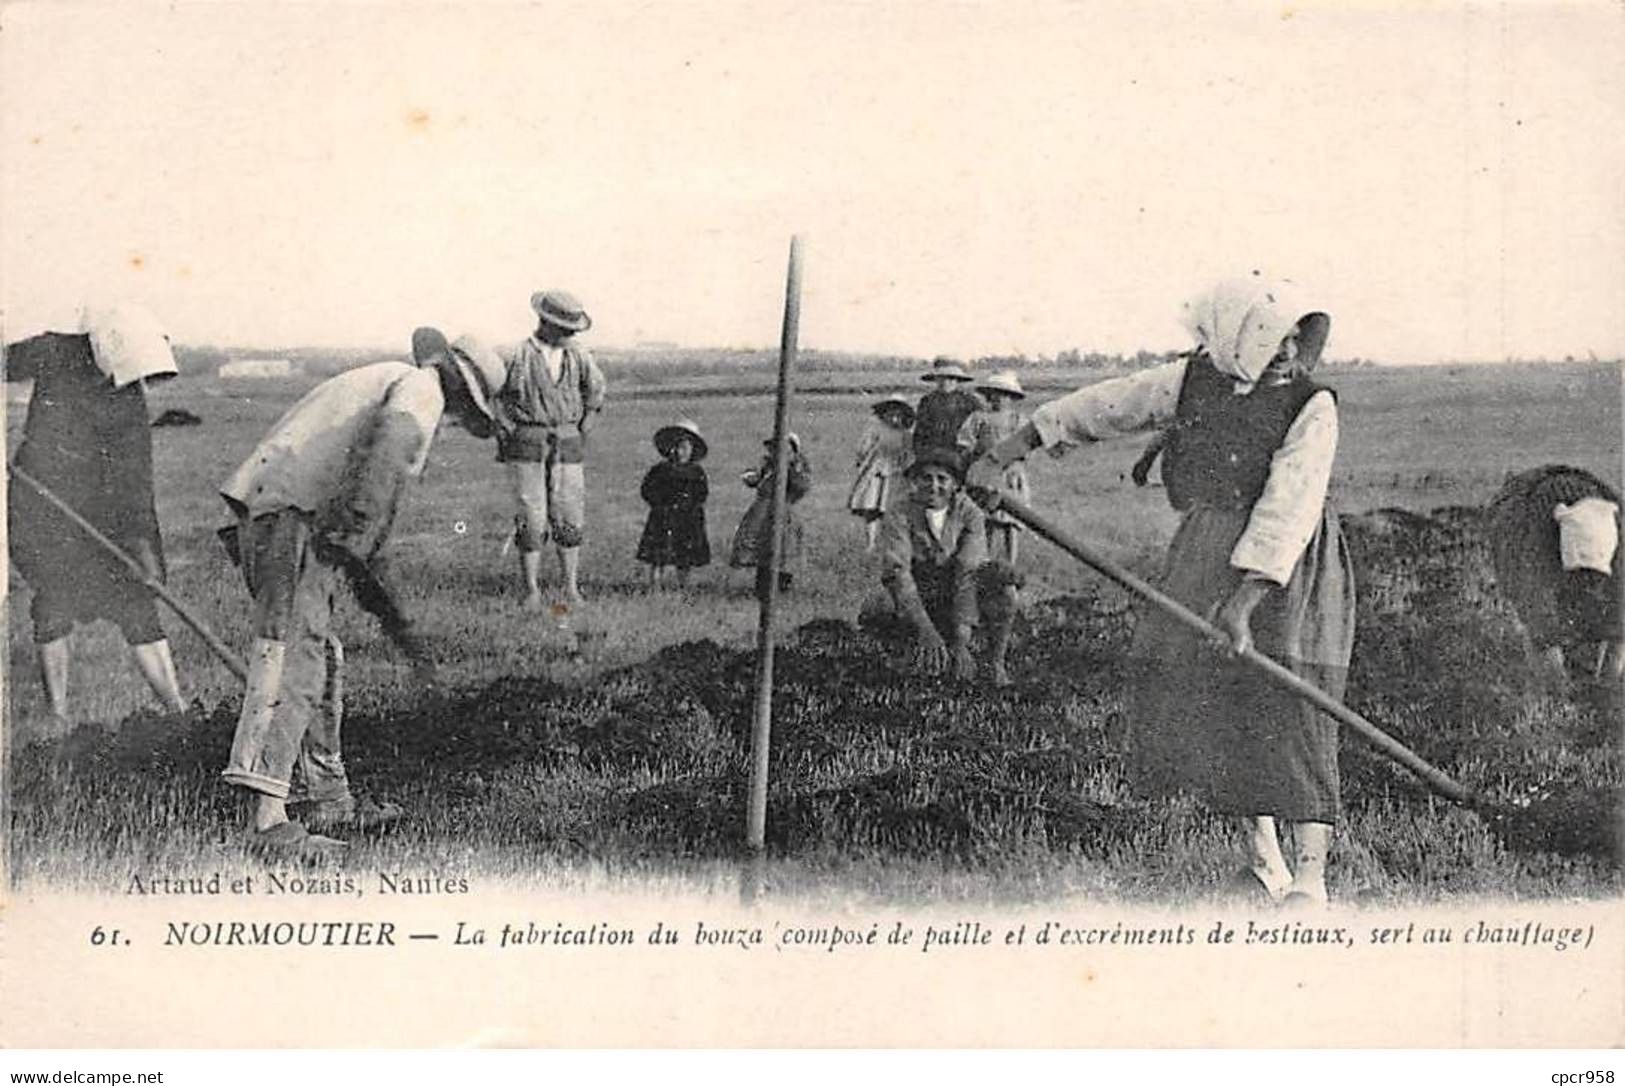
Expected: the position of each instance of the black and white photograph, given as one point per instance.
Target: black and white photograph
(1035, 524)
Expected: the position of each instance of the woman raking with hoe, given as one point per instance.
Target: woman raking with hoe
(1249, 458)
(86, 441)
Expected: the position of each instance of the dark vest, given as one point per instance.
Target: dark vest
(939, 417)
(1220, 445)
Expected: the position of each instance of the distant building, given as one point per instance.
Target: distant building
(256, 368)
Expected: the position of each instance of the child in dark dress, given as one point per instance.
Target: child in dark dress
(675, 489)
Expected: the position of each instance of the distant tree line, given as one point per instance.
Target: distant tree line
(652, 364)
(1075, 359)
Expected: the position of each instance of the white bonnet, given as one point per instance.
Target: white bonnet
(1241, 322)
(127, 342)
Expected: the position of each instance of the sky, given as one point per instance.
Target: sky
(1447, 180)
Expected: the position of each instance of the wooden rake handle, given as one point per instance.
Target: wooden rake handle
(1436, 779)
(232, 661)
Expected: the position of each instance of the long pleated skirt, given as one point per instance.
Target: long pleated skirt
(1201, 723)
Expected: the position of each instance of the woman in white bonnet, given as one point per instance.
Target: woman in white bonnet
(1250, 453)
(1554, 535)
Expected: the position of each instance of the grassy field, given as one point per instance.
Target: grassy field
(625, 762)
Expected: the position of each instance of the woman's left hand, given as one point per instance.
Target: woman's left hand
(1235, 616)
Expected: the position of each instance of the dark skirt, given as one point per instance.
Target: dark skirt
(751, 538)
(74, 580)
(90, 445)
(1201, 723)
(674, 535)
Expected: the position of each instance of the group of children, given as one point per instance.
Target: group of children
(947, 568)
(968, 420)
(963, 416)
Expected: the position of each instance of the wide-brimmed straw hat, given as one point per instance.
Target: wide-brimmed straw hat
(1004, 381)
(667, 436)
(476, 367)
(489, 370)
(950, 368)
(897, 404)
(938, 456)
(561, 309)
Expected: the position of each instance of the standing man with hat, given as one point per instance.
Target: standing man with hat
(314, 504)
(552, 396)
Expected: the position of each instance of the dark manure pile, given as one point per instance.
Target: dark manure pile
(1578, 821)
(649, 763)
(865, 754)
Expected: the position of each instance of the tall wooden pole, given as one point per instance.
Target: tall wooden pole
(756, 815)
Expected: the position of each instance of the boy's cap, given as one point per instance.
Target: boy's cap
(938, 456)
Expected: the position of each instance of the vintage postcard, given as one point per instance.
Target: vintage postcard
(879, 524)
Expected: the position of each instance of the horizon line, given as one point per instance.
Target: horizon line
(239, 352)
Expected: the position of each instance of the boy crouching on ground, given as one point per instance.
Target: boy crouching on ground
(938, 581)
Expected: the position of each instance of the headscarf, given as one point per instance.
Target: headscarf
(1240, 324)
(127, 342)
